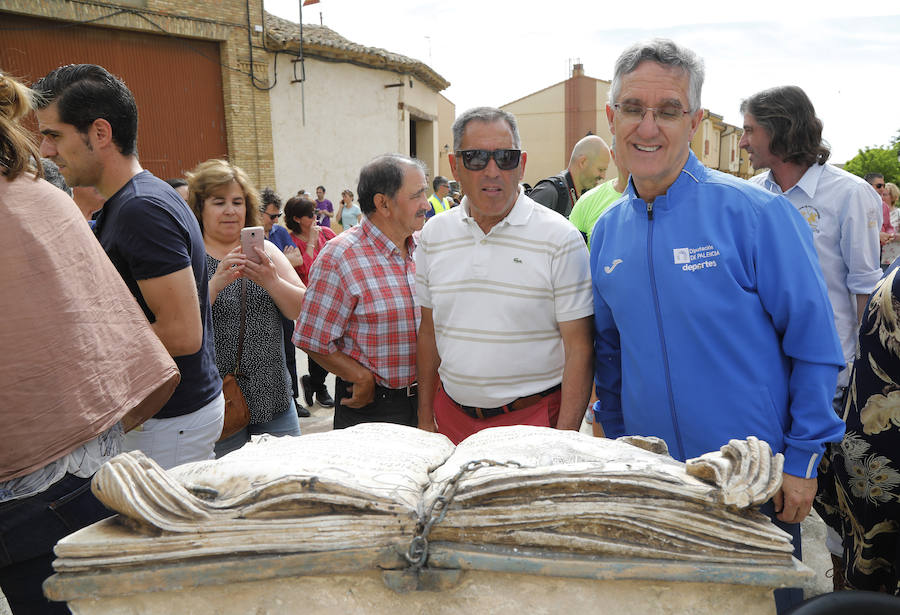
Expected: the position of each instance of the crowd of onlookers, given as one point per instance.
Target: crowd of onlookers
(671, 300)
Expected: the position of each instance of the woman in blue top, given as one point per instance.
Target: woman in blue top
(348, 212)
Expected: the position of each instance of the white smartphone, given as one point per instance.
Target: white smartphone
(252, 237)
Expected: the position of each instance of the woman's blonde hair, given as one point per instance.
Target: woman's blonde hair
(209, 175)
(18, 149)
(894, 191)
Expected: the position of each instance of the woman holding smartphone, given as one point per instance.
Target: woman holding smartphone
(348, 213)
(225, 202)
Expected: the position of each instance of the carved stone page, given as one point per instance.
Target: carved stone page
(565, 491)
(379, 484)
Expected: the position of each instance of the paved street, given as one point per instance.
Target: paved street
(321, 419)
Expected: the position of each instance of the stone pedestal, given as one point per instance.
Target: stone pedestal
(458, 579)
(519, 520)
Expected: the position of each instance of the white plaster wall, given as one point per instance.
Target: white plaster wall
(446, 117)
(426, 145)
(350, 118)
(422, 103)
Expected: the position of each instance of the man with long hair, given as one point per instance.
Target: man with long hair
(783, 134)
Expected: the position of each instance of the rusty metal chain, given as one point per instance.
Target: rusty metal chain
(417, 554)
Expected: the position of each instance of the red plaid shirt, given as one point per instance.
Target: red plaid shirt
(361, 301)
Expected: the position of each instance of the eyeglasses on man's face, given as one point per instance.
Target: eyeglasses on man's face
(879, 186)
(272, 217)
(631, 112)
(477, 159)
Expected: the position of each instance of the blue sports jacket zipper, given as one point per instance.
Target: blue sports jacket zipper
(662, 336)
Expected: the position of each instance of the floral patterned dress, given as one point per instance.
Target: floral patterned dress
(859, 479)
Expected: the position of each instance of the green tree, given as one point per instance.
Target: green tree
(895, 141)
(877, 160)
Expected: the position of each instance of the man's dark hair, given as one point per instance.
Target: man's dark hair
(383, 175)
(438, 181)
(176, 182)
(320, 188)
(269, 197)
(298, 207)
(870, 176)
(87, 92)
(787, 115)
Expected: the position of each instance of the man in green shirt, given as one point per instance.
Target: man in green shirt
(593, 202)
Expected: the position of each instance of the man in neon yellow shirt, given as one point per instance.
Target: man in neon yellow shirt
(595, 201)
(439, 201)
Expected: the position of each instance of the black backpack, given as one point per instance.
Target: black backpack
(542, 189)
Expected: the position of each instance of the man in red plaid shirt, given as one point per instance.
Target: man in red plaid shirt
(359, 316)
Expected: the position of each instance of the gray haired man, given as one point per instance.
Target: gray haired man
(711, 316)
(504, 288)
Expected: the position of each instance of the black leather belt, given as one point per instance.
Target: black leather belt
(386, 393)
(516, 404)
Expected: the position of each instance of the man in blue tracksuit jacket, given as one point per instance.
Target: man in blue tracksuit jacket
(712, 317)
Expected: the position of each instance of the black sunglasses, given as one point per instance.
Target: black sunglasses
(273, 216)
(477, 159)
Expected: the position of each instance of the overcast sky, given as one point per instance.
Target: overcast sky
(493, 52)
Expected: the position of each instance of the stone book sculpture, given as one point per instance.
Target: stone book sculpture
(374, 485)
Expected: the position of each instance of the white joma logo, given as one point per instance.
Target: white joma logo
(615, 263)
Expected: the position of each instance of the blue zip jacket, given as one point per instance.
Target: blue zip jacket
(713, 321)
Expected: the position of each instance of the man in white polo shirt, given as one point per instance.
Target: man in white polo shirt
(505, 291)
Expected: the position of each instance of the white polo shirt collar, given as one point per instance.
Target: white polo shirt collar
(517, 216)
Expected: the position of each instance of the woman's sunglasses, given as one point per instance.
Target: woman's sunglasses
(477, 159)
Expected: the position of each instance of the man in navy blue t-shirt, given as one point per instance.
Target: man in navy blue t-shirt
(88, 119)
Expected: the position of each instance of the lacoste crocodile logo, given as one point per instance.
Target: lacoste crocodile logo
(615, 263)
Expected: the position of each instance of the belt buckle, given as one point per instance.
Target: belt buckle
(412, 389)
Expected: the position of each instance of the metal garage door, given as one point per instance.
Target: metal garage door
(177, 82)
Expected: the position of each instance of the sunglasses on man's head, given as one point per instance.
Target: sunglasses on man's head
(477, 159)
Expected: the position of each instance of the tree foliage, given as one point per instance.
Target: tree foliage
(877, 160)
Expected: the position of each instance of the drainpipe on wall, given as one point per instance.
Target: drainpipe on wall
(404, 118)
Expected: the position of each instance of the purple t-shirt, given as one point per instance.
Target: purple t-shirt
(324, 211)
